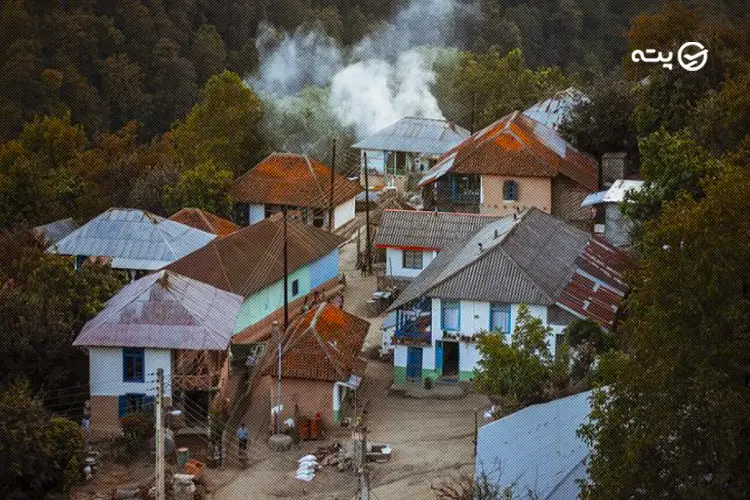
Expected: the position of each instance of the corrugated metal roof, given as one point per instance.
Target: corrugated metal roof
(164, 310)
(615, 194)
(250, 259)
(537, 448)
(416, 135)
(533, 259)
(553, 111)
(518, 146)
(55, 231)
(134, 239)
(205, 221)
(430, 230)
(295, 180)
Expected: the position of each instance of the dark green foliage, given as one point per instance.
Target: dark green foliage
(41, 454)
(588, 342)
(137, 429)
(676, 420)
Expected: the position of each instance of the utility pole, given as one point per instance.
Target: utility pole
(360, 461)
(286, 272)
(276, 333)
(473, 105)
(330, 196)
(159, 434)
(368, 253)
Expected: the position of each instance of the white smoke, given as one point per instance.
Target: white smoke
(381, 79)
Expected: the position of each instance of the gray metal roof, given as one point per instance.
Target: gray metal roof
(528, 258)
(164, 310)
(416, 135)
(537, 448)
(554, 110)
(429, 230)
(134, 239)
(55, 231)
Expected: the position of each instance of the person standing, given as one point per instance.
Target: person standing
(242, 435)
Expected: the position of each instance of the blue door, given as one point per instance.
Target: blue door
(439, 357)
(414, 363)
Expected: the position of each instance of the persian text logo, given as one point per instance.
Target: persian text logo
(692, 56)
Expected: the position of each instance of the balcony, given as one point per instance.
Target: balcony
(413, 329)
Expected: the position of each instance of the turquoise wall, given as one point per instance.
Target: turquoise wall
(271, 298)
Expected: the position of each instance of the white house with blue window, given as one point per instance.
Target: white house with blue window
(163, 320)
(479, 283)
(413, 238)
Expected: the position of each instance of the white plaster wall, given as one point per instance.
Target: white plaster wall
(105, 372)
(343, 213)
(399, 355)
(468, 356)
(255, 213)
(394, 262)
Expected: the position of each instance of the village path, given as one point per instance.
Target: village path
(431, 440)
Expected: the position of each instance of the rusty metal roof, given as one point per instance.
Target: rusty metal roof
(133, 239)
(416, 135)
(324, 344)
(164, 310)
(250, 259)
(294, 180)
(205, 221)
(427, 230)
(517, 146)
(534, 258)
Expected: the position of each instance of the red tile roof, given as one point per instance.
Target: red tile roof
(517, 145)
(324, 344)
(205, 221)
(295, 180)
(596, 288)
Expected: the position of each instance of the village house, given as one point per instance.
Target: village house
(411, 239)
(479, 282)
(205, 221)
(299, 183)
(410, 146)
(320, 364)
(608, 215)
(132, 240)
(553, 111)
(249, 263)
(163, 320)
(513, 164)
(537, 449)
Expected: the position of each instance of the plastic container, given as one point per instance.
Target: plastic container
(183, 455)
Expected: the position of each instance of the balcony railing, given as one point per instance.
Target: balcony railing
(414, 332)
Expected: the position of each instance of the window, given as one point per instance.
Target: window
(500, 317)
(510, 190)
(132, 365)
(295, 287)
(412, 259)
(451, 315)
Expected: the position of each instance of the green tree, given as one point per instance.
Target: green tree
(516, 373)
(41, 454)
(588, 341)
(222, 127)
(675, 422)
(204, 186)
(208, 53)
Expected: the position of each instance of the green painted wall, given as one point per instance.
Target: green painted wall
(399, 375)
(269, 299)
(465, 375)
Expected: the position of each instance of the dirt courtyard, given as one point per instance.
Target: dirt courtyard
(431, 439)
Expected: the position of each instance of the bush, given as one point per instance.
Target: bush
(137, 429)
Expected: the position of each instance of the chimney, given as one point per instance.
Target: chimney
(614, 167)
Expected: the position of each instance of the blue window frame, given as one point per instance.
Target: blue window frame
(295, 287)
(500, 317)
(133, 365)
(450, 317)
(510, 190)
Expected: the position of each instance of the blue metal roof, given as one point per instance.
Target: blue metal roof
(537, 448)
(416, 135)
(133, 239)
